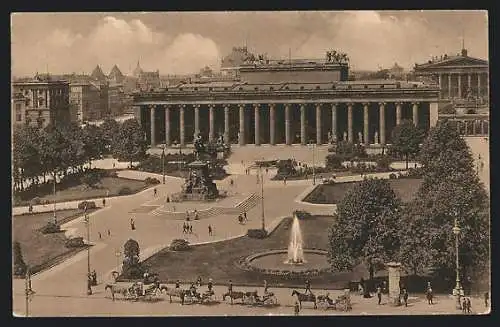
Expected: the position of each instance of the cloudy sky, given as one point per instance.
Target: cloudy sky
(177, 43)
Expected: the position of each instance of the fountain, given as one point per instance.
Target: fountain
(288, 262)
(295, 250)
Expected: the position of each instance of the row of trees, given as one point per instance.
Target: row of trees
(373, 226)
(56, 149)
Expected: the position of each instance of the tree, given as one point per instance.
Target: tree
(51, 146)
(110, 129)
(406, 140)
(26, 153)
(93, 143)
(132, 267)
(20, 266)
(365, 227)
(450, 190)
(130, 144)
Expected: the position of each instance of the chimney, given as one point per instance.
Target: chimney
(464, 52)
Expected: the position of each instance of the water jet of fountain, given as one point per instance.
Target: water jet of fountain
(295, 250)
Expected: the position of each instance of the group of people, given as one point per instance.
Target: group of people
(187, 228)
(242, 218)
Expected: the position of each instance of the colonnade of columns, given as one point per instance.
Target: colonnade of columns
(477, 82)
(364, 137)
(478, 127)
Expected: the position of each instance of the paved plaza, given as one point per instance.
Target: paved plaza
(61, 289)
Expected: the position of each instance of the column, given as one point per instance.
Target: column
(479, 84)
(398, 112)
(167, 126)
(257, 123)
(288, 138)
(350, 132)
(458, 126)
(382, 122)
(440, 83)
(415, 113)
(318, 123)
(334, 119)
(459, 86)
(196, 119)
(226, 124)
(474, 127)
(466, 127)
(487, 86)
(152, 115)
(469, 78)
(241, 139)
(366, 137)
(433, 114)
(272, 123)
(303, 135)
(449, 86)
(211, 119)
(181, 124)
(482, 127)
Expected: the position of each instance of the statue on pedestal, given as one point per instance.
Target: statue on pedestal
(376, 137)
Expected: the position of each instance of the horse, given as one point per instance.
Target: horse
(119, 289)
(238, 295)
(174, 292)
(301, 297)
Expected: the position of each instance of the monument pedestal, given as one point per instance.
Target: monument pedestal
(394, 270)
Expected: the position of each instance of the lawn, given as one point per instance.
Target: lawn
(217, 260)
(405, 189)
(43, 250)
(81, 192)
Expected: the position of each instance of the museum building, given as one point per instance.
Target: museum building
(286, 102)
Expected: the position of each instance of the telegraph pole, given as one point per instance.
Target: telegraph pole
(55, 216)
(262, 197)
(87, 222)
(28, 292)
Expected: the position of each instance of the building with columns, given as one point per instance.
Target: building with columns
(459, 77)
(286, 102)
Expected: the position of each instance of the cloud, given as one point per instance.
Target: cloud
(115, 41)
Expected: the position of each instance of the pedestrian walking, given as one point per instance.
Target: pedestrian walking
(168, 199)
(177, 284)
(190, 229)
(109, 232)
(104, 202)
(245, 216)
(132, 224)
(265, 286)
(267, 171)
(230, 287)
(100, 236)
(184, 228)
(210, 284)
(284, 180)
(405, 297)
(209, 230)
(113, 165)
(464, 306)
(296, 308)
(231, 182)
(154, 191)
(486, 296)
(379, 294)
(196, 215)
(30, 208)
(187, 215)
(429, 293)
(199, 281)
(468, 305)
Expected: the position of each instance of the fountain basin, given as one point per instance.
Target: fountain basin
(274, 262)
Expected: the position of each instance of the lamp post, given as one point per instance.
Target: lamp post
(458, 288)
(28, 292)
(87, 223)
(163, 162)
(55, 215)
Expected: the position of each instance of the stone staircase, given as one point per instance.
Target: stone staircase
(244, 206)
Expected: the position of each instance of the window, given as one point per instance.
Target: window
(19, 115)
(41, 102)
(18, 106)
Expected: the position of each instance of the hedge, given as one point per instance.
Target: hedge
(125, 190)
(151, 181)
(88, 204)
(76, 242)
(180, 245)
(257, 233)
(50, 228)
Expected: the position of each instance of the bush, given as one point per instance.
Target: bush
(76, 242)
(301, 214)
(333, 161)
(384, 163)
(180, 245)
(151, 181)
(257, 233)
(125, 190)
(36, 200)
(19, 264)
(51, 228)
(91, 178)
(88, 204)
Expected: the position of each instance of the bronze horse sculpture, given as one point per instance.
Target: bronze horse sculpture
(239, 295)
(302, 297)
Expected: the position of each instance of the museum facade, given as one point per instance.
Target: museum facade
(286, 102)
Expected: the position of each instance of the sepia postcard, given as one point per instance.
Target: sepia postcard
(263, 163)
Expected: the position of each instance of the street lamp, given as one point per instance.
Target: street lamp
(163, 162)
(262, 196)
(312, 144)
(458, 288)
(28, 292)
(55, 215)
(89, 281)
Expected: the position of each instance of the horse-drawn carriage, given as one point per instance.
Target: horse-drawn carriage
(134, 291)
(189, 296)
(342, 302)
(267, 299)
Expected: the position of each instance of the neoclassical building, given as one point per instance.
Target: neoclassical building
(286, 102)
